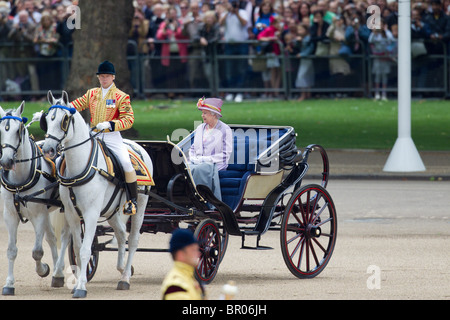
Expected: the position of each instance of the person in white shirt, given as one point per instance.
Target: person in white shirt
(235, 21)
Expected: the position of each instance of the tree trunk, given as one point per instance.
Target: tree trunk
(105, 25)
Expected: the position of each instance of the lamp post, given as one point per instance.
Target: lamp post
(404, 156)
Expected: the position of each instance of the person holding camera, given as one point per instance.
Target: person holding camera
(420, 32)
(209, 34)
(271, 35)
(380, 40)
(439, 25)
(46, 39)
(192, 21)
(235, 20)
(174, 69)
(6, 71)
(22, 33)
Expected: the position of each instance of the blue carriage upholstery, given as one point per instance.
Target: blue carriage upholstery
(247, 146)
(248, 143)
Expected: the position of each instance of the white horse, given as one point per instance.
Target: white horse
(85, 193)
(25, 173)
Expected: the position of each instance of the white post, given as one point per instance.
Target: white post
(404, 156)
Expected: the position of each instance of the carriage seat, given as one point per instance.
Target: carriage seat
(248, 143)
(232, 183)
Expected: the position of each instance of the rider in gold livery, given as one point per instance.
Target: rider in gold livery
(180, 282)
(111, 112)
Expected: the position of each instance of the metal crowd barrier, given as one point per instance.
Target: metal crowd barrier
(148, 75)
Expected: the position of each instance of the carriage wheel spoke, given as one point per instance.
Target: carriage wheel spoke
(320, 211)
(307, 255)
(314, 216)
(313, 252)
(320, 245)
(302, 211)
(323, 222)
(308, 199)
(294, 237)
(300, 256)
(300, 243)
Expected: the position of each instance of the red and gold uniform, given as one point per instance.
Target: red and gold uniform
(111, 113)
(180, 284)
(115, 107)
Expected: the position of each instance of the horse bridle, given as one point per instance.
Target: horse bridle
(65, 122)
(22, 120)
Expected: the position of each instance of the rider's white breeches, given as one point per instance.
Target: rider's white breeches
(114, 142)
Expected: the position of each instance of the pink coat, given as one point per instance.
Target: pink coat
(270, 31)
(162, 34)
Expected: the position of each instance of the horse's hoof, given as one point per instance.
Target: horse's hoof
(123, 285)
(8, 291)
(78, 293)
(47, 271)
(57, 282)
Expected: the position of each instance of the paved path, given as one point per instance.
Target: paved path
(398, 231)
(368, 164)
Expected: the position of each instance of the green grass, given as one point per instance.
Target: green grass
(346, 123)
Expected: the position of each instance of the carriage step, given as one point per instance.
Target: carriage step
(228, 217)
(258, 237)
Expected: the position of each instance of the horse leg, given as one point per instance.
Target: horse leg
(58, 273)
(12, 222)
(72, 230)
(50, 237)
(42, 269)
(119, 227)
(133, 242)
(90, 225)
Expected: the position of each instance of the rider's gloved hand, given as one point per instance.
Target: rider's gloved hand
(103, 126)
(37, 116)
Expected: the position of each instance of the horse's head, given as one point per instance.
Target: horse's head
(13, 133)
(57, 122)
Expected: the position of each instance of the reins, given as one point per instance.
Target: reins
(83, 142)
(47, 136)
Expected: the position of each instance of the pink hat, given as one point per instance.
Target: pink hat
(211, 104)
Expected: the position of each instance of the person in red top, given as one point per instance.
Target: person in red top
(272, 34)
(174, 69)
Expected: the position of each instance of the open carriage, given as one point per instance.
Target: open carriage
(261, 191)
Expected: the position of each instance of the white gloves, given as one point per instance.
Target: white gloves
(37, 116)
(200, 159)
(103, 126)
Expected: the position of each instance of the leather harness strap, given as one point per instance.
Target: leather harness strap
(86, 176)
(31, 181)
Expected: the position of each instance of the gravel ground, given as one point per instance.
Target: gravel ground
(393, 231)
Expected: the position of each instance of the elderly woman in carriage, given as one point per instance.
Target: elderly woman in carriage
(212, 147)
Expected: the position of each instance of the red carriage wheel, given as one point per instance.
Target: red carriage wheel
(209, 239)
(308, 231)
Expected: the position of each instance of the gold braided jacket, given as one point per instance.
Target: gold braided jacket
(180, 284)
(115, 107)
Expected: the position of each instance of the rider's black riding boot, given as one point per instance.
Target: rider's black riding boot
(130, 206)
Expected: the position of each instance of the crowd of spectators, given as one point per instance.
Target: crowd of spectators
(308, 32)
(33, 29)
